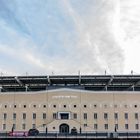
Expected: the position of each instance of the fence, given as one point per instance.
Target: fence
(80, 135)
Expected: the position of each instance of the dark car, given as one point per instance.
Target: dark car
(33, 132)
(73, 131)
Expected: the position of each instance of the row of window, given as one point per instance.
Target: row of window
(95, 116)
(95, 126)
(116, 116)
(4, 126)
(106, 126)
(34, 115)
(85, 116)
(24, 106)
(74, 106)
(44, 106)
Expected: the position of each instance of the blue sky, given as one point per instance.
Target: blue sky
(65, 36)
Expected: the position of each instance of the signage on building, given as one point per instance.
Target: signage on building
(64, 97)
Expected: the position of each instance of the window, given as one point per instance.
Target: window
(54, 115)
(24, 106)
(95, 126)
(126, 115)
(4, 126)
(136, 115)
(95, 115)
(125, 106)
(33, 125)
(5, 106)
(85, 125)
(14, 116)
(75, 116)
(44, 125)
(44, 106)
(126, 126)
(5, 116)
(95, 105)
(23, 126)
(136, 126)
(14, 126)
(116, 116)
(105, 116)
(85, 106)
(115, 106)
(54, 106)
(65, 106)
(64, 116)
(15, 106)
(34, 106)
(135, 106)
(105, 106)
(85, 116)
(24, 116)
(116, 126)
(74, 106)
(44, 115)
(34, 115)
(106, 126)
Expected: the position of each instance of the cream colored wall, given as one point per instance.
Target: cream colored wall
(70, 98)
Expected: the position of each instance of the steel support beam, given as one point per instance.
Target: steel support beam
(1, 88)
(19, 82)
(133, 85)
(109, 82)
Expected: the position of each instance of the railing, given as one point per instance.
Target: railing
(79, 135)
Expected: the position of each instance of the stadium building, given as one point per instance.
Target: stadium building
(62, 103)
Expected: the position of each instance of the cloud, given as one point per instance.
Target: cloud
(8, 14)
(130, 32)
(130, 18)
(65, 36)
(98, 47)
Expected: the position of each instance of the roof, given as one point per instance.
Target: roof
(85, 82)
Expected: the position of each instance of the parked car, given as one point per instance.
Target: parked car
(33, 132)
(73, 130)
(18, 133)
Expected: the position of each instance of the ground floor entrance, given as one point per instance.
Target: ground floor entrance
(64, 128)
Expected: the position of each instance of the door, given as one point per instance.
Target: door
(64, 128)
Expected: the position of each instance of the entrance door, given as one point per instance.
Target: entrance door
(64, 128)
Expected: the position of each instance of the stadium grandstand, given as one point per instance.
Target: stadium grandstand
(70, 106)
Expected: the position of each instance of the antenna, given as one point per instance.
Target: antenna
(131, 72)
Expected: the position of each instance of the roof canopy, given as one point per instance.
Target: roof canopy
(87, 82)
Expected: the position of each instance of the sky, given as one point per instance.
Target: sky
(44, 37)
